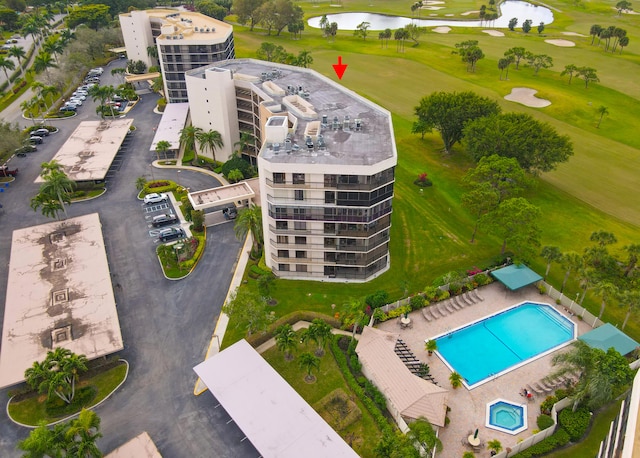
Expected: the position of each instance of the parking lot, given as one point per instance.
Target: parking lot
(166, 325)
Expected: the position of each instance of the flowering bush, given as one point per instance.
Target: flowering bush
(474, 271)
(423, 180)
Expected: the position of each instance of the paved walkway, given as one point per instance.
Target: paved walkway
(468, 408)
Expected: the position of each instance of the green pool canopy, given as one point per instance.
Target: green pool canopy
(607, 336)
(516, 276)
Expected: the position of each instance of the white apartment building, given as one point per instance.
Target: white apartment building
(184, 40)
(326, 160)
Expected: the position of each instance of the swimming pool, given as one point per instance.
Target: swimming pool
(499, 343)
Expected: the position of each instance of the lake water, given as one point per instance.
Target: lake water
(508, 10)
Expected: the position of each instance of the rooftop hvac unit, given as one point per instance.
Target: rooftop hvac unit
(336, 123)
(207, 29)
(195, 29)
(309, 142)
(345, 124)
(325, 120)
(276, 148)
(287, 145)
(180, 36)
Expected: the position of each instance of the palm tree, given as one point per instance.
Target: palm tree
(605, 290)
(286, 340)
(50, 207)
(152, 51)
(46, 92)
(250, 220)
(28, 106)
(602, 110)
(188, 137)
(162, 147)
(56, 184)
(319, 332)
(353, 315)
(43, 62)
(211, 140)
(6, 64)
(157, 84)
(309, 362)
(571, 261)
(631, 300)
(455, 379)
(304, 59)
(53, 47)
(37, 374)
(82, 435)
(19, 53)
(246, 139)
(550, 254)
(43, 441)
(72, 365)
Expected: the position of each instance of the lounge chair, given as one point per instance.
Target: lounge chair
(459, 302)
(466, 296)
(531, 389)
(542, 387)
(453, 304)
(426, 315)
(442, 312)
(475, 293)
(449, 307)
(435, 312)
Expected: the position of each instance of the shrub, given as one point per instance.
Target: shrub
(399, 311)
(189, 263)
(238, 163)
(187, 208)
(355, 364)
(188, 156)
(362, 380)
(197, 216)
(482, 279)
(417, 302)
(575, 423)
(556, 440)
(422, 181)
(541, 288)
(56, 407)
(442, 294)
(162, 104)
(375, 395)
(561, 393)
(431, 293)
(547, 404)
(154, 186)
(544, 421)
(377, 299)
(255, 340)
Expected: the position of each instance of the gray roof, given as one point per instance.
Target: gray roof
(370, 144)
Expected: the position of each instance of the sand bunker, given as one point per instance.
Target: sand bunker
(467, 13)
(494, 33)
(573, 34)
(526, 97)
(450, 15)
(431, 8)
(561, 43)
(432, 2)
(442, 29)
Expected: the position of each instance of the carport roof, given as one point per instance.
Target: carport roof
(173, 121)
(516, 276)
(90, 149)
(214, 197)
(277, 421)
(140, 446)
(59, 293)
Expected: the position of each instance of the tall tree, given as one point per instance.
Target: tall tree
(605, 290)
(362, 30)
(503, 174)
(286, 340)
(353, 315)
(248, 311)
(631, 301)
(513, 22)
(589, 75)
(571, 262)
(421, 432)
(515, 221)
(162, 148)
(550, 254)
(189, 136)
(6, 64)
(210, 140)
(517, 53)
(595, 32)
(526, 26)
(633, 253)
(470, 53)
(480, 200)
(602, 110)
(534, 144)
(538, 61)
(93, 16)
(19, 53)
(250, 220)
(569, 70)
(245, 10)
(448, 112)
(623, 5)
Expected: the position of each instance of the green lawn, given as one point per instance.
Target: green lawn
(329, 378)
(430, 231)
(31, 410)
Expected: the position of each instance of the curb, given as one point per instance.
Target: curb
(126, 375)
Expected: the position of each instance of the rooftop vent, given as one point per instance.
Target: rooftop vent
(309, 142)
(358, 124)
(276, 148)
(195, 29)
(325, 120)
(287, 145)
(346, 123)
(336, 123)
(60, 297)
(61, 335)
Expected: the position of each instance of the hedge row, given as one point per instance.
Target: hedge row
(575, 423)
(189, 263)
(160, 189)
(255, 340)
(556, 440)
(371, 406)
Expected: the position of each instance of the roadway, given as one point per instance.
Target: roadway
(166, 325)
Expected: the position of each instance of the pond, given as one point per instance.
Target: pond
(508, 10)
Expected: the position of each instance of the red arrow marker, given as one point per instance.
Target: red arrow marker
(340, 68)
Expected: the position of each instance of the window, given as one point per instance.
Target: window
(300, 212)
(298, 178)
(301, 240)
(283, 253)
(301, 267)
(329, 197)
(278, 178)
(299, 194)
(281, 212)
(300, 225)
(283, 239)
(283, 267)
(301, 254)
(282, 225)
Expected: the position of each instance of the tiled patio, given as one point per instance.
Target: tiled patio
(468, 408)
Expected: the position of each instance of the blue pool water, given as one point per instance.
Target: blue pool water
(510, 338)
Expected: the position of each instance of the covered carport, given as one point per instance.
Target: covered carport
(216, 199)
(516, 276)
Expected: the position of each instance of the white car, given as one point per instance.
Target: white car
(154, 198)
(76, 101)
(79, 95)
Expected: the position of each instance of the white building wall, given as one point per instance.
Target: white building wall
(136, 31)
(212, 101)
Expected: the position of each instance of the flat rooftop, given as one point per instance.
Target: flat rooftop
(90, 149)
(309, 96)
(140, 446)
(190, 26)
(276, 419)
(214, 197)
(59, 293)
(173, 121)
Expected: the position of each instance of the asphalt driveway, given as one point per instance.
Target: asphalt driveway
(166, 325)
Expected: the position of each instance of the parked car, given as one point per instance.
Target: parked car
(41, 132)
(154, 198)
(35, 139)
(5, 171)
(170, 233)
(164, 220)
(69, 107)
(79, 95)
(230, 212)
(75, 101)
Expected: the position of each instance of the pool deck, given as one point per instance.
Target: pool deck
(468, 408)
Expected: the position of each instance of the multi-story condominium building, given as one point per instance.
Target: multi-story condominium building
(326, 160)
(184, 41)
